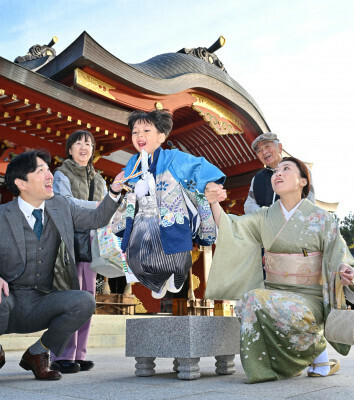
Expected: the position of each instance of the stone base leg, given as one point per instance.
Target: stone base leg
(225, 365)
(175, 365)
(145, 366)
(188, 368)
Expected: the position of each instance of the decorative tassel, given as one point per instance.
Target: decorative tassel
(142, 186)
(144, 162)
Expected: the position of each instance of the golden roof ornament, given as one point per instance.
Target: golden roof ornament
(207, 54)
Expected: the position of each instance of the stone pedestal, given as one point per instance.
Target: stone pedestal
(145, 366)
(225, 365)
(185, 339)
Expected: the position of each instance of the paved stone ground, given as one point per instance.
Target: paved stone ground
(113, 378)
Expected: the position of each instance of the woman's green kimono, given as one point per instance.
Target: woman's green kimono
(281, 325)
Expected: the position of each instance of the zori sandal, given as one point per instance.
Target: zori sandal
(333, 364)
(297, 374)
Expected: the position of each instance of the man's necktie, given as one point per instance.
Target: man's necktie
(38, 225)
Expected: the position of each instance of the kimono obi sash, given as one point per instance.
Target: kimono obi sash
(294, 269)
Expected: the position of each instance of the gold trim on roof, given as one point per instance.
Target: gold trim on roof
(220, 127)
(140, 309)
(331, 207)
(196, 282)
(93, 84)
(195, 253)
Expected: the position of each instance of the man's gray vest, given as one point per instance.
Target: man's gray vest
(39, 271)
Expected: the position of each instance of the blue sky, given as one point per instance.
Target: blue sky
(295, 57)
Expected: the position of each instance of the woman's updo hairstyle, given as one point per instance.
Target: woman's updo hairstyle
(304, 173)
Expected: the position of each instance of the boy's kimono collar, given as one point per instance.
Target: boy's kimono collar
(152, 167)
(184, 166)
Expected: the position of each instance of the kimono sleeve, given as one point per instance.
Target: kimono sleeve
(237, 261)
(335, 252)
(119, 219)
(195, 172)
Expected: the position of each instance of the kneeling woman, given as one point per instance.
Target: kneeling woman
(282, 318)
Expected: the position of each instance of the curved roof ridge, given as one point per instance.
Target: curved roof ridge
(163, 74)
(172, 65)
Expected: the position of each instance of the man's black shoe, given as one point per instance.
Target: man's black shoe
(66, 366)
(85, 365)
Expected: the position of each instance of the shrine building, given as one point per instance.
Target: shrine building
(44, 97)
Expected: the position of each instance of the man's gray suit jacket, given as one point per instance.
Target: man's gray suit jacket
(66, 216)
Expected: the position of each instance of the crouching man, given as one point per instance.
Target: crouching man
(32, 228)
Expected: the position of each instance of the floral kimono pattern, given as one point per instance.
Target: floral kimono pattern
(184, 213)
(183, 216)
(281, 324)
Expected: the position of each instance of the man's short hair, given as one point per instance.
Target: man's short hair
(161, 119)
(22, 165)
(268, 136)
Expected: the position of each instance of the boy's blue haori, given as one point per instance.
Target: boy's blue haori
(180, 184)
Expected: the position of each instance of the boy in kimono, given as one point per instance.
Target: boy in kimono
(165, 209)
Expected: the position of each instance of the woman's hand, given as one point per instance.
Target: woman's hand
(4, 287)
(346, 274)
(117, 184)
(215, 193)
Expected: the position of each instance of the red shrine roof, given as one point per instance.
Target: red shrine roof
(86, 87)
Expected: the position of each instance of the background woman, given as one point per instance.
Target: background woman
(305, 256)
(73, 180)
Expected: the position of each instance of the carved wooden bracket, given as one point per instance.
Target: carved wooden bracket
(221, 120)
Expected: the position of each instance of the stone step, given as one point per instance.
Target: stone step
(106, 331)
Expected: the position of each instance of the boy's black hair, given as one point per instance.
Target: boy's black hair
(77, 135)
(161, 119)
(22, 165)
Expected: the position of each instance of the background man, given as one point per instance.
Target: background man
(32, 227)
(269, 151)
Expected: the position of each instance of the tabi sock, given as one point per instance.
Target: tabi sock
(322, 358)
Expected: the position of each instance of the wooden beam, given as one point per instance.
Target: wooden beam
(237, 181)
(23, 139)
(108, 167)
(49, 93)
(187, 127)
(117, 145)
(238, 193)
(242, 168)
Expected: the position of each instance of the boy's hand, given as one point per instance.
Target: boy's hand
(215, 192)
